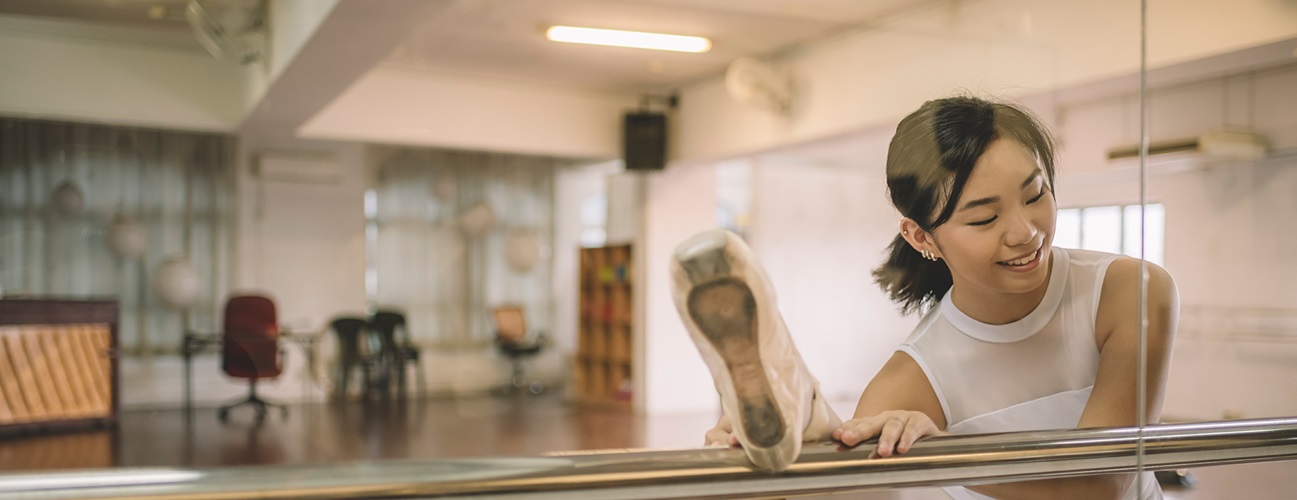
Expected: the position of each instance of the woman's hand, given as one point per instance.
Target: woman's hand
(722, 434)
(897, 430)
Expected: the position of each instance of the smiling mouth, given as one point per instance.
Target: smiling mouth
(1023, 261)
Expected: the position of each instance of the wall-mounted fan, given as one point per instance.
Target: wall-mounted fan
(232, 31)
(761, 85)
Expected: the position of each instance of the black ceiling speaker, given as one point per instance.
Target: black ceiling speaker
(644, 141)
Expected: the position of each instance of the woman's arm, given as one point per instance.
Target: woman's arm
(899, 406)
(1114, 400)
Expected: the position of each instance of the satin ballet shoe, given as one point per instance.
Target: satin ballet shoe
(728, 306)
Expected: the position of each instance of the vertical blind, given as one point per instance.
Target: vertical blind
(440, 228)
(178, 186)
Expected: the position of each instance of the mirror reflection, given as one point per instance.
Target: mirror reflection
(240, 232)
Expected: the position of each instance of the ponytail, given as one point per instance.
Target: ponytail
(913, 282)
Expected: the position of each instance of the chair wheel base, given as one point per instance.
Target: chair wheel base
(534, 388)
(259, 406)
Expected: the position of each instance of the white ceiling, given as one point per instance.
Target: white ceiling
(130, 12)
(494, 39)
(505, 38)
(110, 20)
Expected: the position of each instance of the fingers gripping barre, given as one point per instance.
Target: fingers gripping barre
(896, 431)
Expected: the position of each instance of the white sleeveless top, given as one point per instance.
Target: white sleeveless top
(1033, 374)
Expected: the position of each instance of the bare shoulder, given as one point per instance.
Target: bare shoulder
(1119, 301)
(1128, 268)
(901, 368)
(901, 384)
(1123, 351)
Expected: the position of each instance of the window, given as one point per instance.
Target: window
(734, 196)
(371, 246)
(594, 220)
(437, 227)
(1113, 228)
(177, 188)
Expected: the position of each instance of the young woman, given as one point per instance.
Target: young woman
(1017, 335)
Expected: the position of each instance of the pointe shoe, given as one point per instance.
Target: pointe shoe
(728, 307)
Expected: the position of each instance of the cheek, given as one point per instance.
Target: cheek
(1047, 218)
(969, 245)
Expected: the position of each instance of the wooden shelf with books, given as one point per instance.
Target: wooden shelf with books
(605, 348)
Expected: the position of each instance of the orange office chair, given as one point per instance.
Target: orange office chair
(250, 348)
(517, 344)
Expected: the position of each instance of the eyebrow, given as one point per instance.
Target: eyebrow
(994, 199)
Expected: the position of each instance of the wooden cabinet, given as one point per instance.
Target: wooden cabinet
(605, 348)
(58, 364)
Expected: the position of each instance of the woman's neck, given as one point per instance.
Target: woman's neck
(995, 307)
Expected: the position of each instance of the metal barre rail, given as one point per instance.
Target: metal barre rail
(697, 473)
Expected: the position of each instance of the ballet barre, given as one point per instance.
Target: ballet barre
(699, 473)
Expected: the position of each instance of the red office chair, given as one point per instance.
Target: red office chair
(250, 348)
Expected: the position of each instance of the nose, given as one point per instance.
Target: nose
(1020, 230)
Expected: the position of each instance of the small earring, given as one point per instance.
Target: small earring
(905, 232)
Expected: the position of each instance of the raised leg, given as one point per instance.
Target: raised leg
(728, 307)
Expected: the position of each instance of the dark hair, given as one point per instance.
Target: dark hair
(928, 163)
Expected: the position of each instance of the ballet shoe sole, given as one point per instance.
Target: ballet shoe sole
(726, 314)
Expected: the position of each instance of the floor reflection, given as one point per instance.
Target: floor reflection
(356, 431)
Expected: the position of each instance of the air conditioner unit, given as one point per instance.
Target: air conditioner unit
(309, 168)
(1218, 145)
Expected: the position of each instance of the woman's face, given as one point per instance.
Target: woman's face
(999, 236)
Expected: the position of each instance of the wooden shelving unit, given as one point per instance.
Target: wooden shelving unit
(604, 352)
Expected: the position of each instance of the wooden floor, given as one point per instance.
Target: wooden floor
(441, 428)
(324, 433)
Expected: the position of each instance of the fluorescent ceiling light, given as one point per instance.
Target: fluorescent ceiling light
(633, 39)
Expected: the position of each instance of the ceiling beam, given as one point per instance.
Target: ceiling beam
(354, 37)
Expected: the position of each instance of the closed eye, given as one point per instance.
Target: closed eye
(992, 219)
